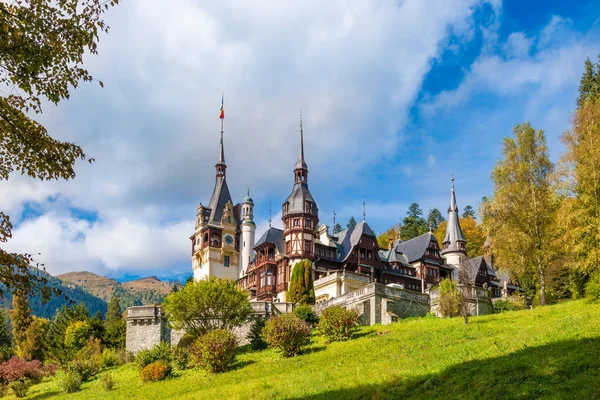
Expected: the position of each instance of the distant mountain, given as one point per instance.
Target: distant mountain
(138, 292)
(71, 295)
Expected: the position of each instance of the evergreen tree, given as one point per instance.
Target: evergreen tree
(20, 318)
(115, 325)
(5, 336)
(521, 215)
(34, 345)
(351, 222)
(56, 349)
(413, 224)
(588, 86)
(435, 218)
(338, 228)
(468, 212)
(301, 289)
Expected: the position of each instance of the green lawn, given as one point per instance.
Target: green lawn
(551, 352)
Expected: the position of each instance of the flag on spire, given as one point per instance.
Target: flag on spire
(222, 112)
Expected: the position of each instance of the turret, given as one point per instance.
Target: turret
(248, 232)
(454, 243)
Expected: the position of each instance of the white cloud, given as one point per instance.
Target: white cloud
(154, 128)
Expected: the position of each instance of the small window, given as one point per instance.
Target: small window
(226, 261)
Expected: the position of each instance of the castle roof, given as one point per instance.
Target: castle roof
(272, 236)
(218, 200)
(297, 199)
(348, 238)
(414, 249)
(454, 233)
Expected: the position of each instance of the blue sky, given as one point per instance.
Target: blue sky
(395, 96)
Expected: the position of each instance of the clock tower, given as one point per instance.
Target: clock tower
(215, 242)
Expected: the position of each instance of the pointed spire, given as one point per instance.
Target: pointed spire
(364, 209)
(454, 240)
(301, 164)
(334, 222)
(270, 219)
(221, 166)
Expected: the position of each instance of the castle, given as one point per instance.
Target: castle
(223, 245)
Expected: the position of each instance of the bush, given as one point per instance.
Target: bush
(450, 299)
(156, 371)
(77, 334)
(109, 358)
(186, 341)
(21, 387)
(124, 356)
(287, 333)
(159, 352)
(512, 303)
(17, 369)
(88, 360)
(68, 381)
(50, 369)
(306, 314)
(337, 323)
(215, 351)
(107, 381)
(254, 335)
(181, 357)
(301, 289)
(592, 288)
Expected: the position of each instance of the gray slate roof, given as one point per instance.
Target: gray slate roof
(219, 198)
(348, 238)
(454, 232)
(296, 200)
(414, 249)
(274, 236)
(472, 266)
(395, 255)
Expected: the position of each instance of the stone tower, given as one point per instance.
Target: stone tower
(248, 231)
(454, 243)
(214, 242)
(300, 213)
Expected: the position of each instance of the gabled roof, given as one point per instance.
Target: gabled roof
(219, 198)
(273, 236)
(414, 249)
(348, 238)
(395, 255)
(472, 266)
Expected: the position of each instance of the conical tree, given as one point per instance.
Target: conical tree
(588, 84)
(115, 324)
(5, 336)
(301, 289)
(20, 318)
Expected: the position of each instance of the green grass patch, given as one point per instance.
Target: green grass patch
(551, 352)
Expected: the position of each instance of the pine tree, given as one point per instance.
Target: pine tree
(337, 228)
(20, 318)
(588, 84)
(468, 212)
(5, 336)
(115, 325)
(413, 224)
(301, 289)
(435, 218)
(351, 222)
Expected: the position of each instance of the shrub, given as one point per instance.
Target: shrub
(215, 351)
(109, 358)
(512, 303)
(156, 371)
(450, 299)
(181, 357)
(306, 314)
(21, 387)
(17, 369)
(68, 381)
(254, 336)
(124, 356)
(592, 288)
(287, 333)
(88, 360)
(337, 323)
(107, 381)
(186, 341)
(301, 284)
(159, 352)
(50, 369)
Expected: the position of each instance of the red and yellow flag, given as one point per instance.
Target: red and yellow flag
(222, 112)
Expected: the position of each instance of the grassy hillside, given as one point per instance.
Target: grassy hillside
(98, 285)
(149, 283)
(549, 352)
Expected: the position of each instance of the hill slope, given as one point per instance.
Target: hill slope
(549, 352)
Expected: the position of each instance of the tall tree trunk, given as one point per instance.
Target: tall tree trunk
(542, 282)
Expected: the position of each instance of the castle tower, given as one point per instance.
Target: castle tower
(454, 243)
(214, 245)
(248, 231)
(300, 213)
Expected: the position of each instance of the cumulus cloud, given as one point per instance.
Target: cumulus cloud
(153, 129)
